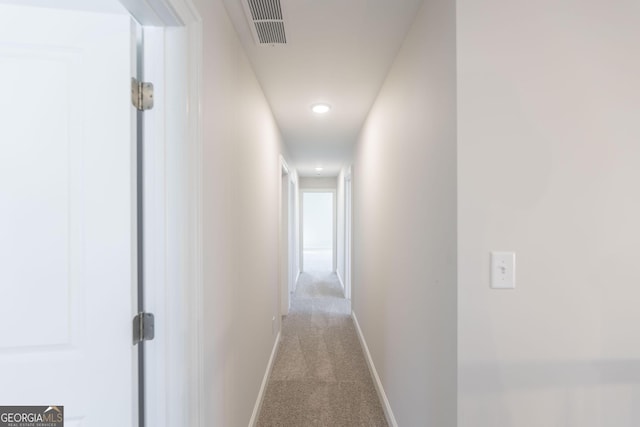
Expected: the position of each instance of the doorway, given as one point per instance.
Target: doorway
(347, 236)
(287, 231)
(318, 231)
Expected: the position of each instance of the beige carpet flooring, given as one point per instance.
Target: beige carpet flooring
(320, 376)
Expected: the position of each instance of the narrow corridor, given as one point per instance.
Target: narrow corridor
(320, 376)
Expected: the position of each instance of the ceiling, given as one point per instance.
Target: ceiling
(337, 52)
(102, 6)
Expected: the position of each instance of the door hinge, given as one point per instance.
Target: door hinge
(141, 94)
(143, 327)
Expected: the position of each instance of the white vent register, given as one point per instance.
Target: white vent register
(266, 21)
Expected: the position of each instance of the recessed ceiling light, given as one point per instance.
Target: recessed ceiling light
(320, 108)
(319, 169)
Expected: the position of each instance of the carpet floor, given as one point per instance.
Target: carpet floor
(320, 376)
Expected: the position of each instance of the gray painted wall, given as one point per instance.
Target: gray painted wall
(548, 156)
(242, 177)
(404, 179)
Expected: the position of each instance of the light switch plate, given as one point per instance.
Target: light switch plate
(503, 270)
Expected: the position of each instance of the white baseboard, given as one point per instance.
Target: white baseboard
(386, 407)
(265, 380)
(340, 280)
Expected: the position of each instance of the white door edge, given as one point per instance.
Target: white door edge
(182, 358)
(182, 28)
(187, 43)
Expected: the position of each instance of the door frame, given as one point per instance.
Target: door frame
(173, 201)
(348, 232)
(293, 275)
(284, 239)
(173, 187)
(334, 237)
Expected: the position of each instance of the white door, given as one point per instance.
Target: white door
(66, 214)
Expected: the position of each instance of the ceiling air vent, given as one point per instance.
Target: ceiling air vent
(266, 21)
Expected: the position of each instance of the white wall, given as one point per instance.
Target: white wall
(241, 186)
(404, 192)
(548, 160)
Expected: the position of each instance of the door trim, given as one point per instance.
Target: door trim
(334, 249)
(284, 239)
(348, 218)
(178, 365)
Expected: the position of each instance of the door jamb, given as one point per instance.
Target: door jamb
(182, 26)
(284, 228)
(348, 235)
(292, 235)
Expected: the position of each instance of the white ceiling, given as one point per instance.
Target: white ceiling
(338, 52)
(102, 6)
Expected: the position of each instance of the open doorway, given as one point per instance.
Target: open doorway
(318, 231)
(287, 237)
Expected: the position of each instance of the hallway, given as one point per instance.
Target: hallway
(481, 158)
(320, 376)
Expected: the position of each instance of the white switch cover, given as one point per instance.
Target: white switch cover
(503, 270)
